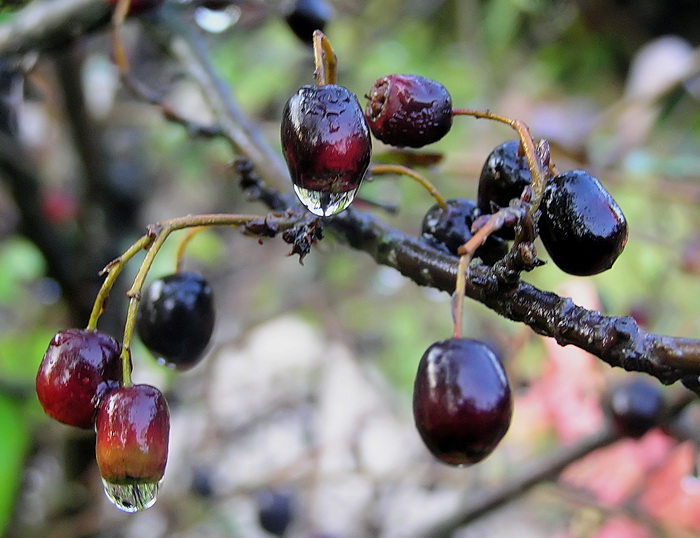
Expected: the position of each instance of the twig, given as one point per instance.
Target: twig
(478, 502)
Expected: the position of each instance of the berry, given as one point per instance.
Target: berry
(327, 146)
(581, 226)
(449, 228)
(461, 401)
(275, 511)
(79, 368)
(133, 426)
(636, 406)
(408, 110)
(307, 16)
(503, 177)
(175, 319)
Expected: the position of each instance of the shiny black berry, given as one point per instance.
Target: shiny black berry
(175, 319)
(462, 402)
(275, 510)
(637, 406)
(306, 16)
(503, 177)
(449, 228)
(408, 110)
(581, 226)
(327, 145)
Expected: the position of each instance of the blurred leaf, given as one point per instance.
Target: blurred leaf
(20, 262)
(14, 443)
(20, 354)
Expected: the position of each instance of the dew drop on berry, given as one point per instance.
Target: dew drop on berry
(323, 203)
(131, 497)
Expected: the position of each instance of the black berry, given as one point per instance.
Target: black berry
(637, 406)
(449, 228)
(581, 226)
(408, 110)
(461, 401)
(503, 177)
(306, 16)
(275, 510)
(175, 319)
(327, 145)
(79, 368)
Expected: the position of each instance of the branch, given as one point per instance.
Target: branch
(44, 24)
(619, 341)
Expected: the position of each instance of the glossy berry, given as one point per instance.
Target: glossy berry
(503, 177)
(449, 228)
(408, 110)
(307, 16)
(79, 368)
(133, 428)
(461, 401)
(175, 319)
(327, 145)
(636, 406)
(275, 511)
(581, 226)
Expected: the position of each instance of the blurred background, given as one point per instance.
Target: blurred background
(303, 404)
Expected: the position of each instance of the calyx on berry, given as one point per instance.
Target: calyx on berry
(327, 146)
(408, 110)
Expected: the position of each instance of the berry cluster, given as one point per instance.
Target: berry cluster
(462, 401)
(84, 380)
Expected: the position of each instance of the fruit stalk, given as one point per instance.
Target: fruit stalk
(325, 60)
(539, 177)
(379, 169)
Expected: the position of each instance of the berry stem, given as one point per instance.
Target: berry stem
(379, 169)
(118, 17)
(325, 60)
(537, 172)
(180, 256)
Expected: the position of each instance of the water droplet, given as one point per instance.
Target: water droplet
(325, 204)
(131, 497)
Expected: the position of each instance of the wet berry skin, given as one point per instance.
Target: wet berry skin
(462, 402)
(275, 511)
(175, 319)
(408, 110)
(448, 229)
(581, 226)
(307, 16)
(503, 177)
(133, 429)
(326, 141)
(637, 406)
(79, 368)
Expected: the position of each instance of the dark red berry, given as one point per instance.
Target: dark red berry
(133, 428)
(503, 177)
(175, 319)
(581, 226)
(79, 368)
(461, 401)
(275, 510)
(637, 406)
(327, 146)
(449, 228)
(408, 110)
(306, 16)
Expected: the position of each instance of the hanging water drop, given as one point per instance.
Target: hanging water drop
(216, 21)
(323, 203)
(131, 497)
